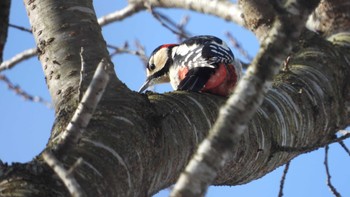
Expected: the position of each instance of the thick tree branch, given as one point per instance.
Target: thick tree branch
(4, 23)
(65, 37)
(258, 16)
(83, 114)
(331, 17)
(136, 144)
(66, 176)
(213, 152)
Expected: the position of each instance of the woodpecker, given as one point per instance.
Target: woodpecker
(199, 64)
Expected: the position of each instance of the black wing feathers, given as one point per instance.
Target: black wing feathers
(213, 52)
(196, 78)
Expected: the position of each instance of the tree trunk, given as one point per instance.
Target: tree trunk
(137, 144)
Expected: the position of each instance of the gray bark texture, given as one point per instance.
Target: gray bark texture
(137, 144)
(4, 23)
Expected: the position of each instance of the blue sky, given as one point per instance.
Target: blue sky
(25, 126)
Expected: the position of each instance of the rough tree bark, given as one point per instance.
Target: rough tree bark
(137, 144)
(4, 23)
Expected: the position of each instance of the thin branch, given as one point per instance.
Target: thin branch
(181, 27)
(312, 147)
(20, 28)
(116, 16)
(223, 9)
(121, 50)
(84, 111)
(233, 117)
(66, 176)
(142, 52)
(18, 58)
(18, 90)
(283, 178)
(161, 18)
(339, 139)
(238, 46)
(329, 183)
(120, 14)
(226, 10)
(342, 144)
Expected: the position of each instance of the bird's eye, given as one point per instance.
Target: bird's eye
(151, 67)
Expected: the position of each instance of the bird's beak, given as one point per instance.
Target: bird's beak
(147, 84)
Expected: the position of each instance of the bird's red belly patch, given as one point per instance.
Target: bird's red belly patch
(222, 81)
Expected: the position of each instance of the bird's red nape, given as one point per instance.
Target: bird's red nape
(167, 45)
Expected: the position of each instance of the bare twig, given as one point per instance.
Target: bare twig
(329, 183)
(18, 58)
(285, 171)
(120, 14)
(223, 9)
(173, 27)
(184, 21)
(342, 144)
(226, 10)
(181, 27)
(22, 93)
(21, 28)
(312, 147)
(238, 46)
(339, 139)
(142, 51)
(116, 16)
(121, 50)
(66, 176)
(84, 111)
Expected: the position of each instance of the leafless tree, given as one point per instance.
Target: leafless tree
(293, 99)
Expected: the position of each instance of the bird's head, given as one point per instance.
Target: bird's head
(158, 66)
